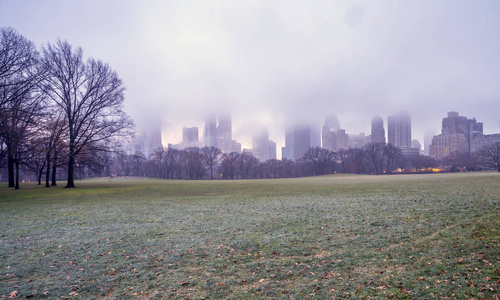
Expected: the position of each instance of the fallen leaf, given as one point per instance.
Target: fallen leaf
(185, 283)
(13, 294)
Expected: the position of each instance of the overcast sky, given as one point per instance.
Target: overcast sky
(269, 62)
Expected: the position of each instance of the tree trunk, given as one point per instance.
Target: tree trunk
(40, 174)
(17, 175)
(47, 174)
(71, 170)
(10, 162)
(54, 170)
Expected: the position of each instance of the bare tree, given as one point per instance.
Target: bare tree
(321, 158)
(228, 165)
(492, 154)
(20, 103)
(391, 155)
(35, 160)
(245, 163)
(16, 55)
(138, 160)
(356, 162)
(375, 152)
(342, 157)
(193, 163)
(159, 158)
(211, 156)
(91, 96)
(52, 130)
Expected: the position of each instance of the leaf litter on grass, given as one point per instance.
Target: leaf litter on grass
(325, 237)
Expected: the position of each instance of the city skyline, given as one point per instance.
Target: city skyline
(275, 62)
(330, 123)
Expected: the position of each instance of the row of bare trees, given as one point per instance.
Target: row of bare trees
(56, 108)
(209, 162)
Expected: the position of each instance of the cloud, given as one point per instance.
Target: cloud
(273, 62)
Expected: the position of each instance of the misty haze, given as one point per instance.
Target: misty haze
(249, 149)
(270, 64)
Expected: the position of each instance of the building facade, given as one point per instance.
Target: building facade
(446, 144)
(262, 147)
(378, 131)
(224, 132)
(399, 130)
(458, 135)
(210, 135)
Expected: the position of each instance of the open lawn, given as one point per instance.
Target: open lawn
(340, 236)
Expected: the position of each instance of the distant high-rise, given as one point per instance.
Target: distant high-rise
(458, 135)
(225, 140)
(147, 143)
(190, 134)
(287, 152)
(332, 123)
(210, 134)
(378, 131)
(298, 140)
(427, 142)
(236, 146)
(333, 138)
(260, 145)
(272, 149)
(263, 148)
(314, 136)
(357, 140)
(454, 124)
(399, 130)
(302, 141)
(416, 144)
(328, 131)
(474, 129)
(190, 138)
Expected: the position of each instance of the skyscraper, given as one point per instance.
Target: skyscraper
(287, 152)
(378, 131)
(189, 134)
(262, 147)
(225, 140)
(210, 134)
(260, 144)
(314, 136)
(457, 136)
(190, 138)
(302, 141)
(328, 131)
(399, 130)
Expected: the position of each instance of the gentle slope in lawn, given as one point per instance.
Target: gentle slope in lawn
(408, 236)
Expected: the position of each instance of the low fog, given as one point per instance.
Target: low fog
(272, 63)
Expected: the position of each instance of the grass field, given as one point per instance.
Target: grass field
(434, 236)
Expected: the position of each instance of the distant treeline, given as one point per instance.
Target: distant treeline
(209, 163)
(62, 117)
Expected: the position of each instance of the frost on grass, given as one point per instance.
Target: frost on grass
(345, 237)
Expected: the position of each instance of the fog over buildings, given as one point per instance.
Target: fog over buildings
(279, 64)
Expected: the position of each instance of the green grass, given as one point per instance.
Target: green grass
(343, 236)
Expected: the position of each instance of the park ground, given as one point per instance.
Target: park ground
(432, 236)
